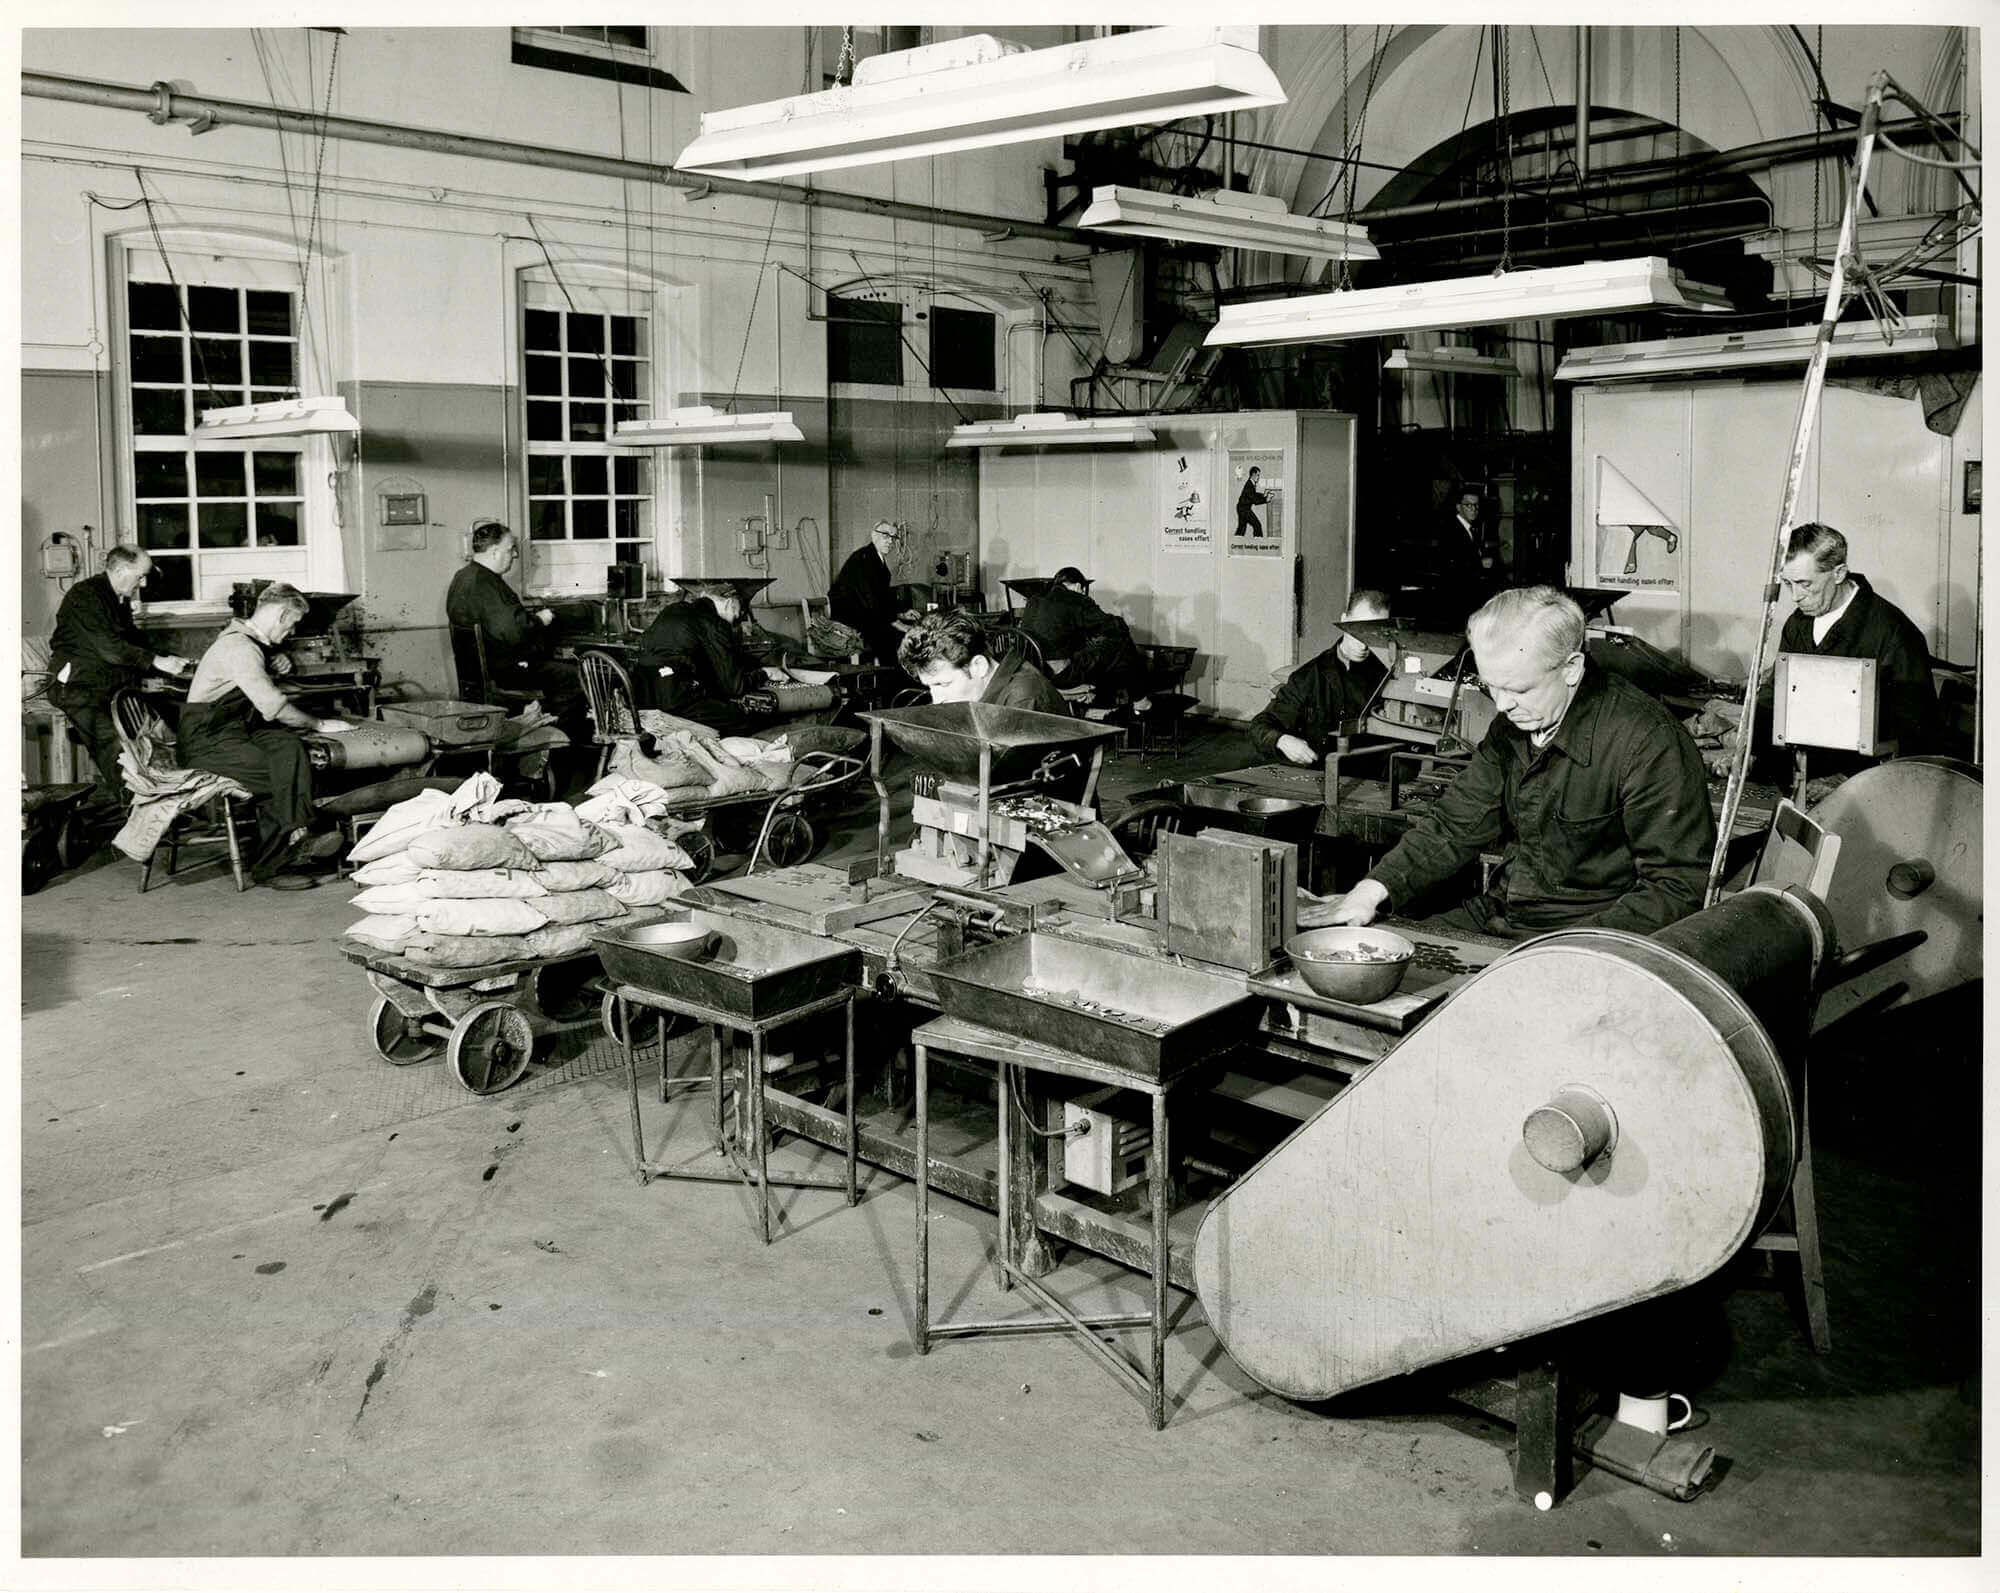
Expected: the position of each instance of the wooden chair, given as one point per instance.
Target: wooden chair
(475, 680)
(1798, 851)
(607, 688)
(138, 725)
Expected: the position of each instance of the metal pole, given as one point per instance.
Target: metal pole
(162, 104)
(1582, 106)
(1802, 432)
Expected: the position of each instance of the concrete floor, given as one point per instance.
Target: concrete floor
(280, 1298)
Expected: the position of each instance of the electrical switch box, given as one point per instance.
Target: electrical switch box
(1822, 701)
(1103, 1152)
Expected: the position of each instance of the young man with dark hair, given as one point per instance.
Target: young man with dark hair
(948, 654)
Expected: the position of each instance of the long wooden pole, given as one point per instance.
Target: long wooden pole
(1802, 433)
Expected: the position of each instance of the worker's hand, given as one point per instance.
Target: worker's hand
(171, 664)
(546, 615)
(333, 727)
(281, 663)
(1358, 906)
(1297, 750)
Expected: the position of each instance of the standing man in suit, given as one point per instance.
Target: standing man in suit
(863, 596)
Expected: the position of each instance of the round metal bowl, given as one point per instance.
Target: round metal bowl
(1266, 807)
(1358, 982)
(688, 940)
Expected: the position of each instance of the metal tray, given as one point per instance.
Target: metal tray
(756, 971)
(1175, 1015)
(1230, 807)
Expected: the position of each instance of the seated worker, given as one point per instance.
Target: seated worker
(519, 641)
(1322, 698)
(97, 651)
(692, 661)
(1595, 790)
(947, 654)
(1097, 647)
(237, 722)
(1839, 615)
(863, 597)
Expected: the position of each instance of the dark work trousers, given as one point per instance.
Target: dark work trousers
(230, 737)
(90, 712)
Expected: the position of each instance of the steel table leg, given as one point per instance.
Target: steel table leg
(715, 1072)
(1004, 1254)
(1159, 1180)
(632, 1083)
(853, 1126)
(754, 1083)
(923, 1200)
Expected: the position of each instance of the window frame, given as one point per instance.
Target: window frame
(918, 299)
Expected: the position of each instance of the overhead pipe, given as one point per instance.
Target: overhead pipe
(162, 103)
(1606, 220)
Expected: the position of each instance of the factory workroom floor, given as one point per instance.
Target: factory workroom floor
(281, 1298)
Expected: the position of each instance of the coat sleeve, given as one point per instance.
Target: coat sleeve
(1670, 827)
(1469, 818)
(99, 627)
(1907, 690)
(723, 666)
(1290, 708)
(502, 615)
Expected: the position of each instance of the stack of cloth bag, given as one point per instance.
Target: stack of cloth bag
(462, 879)
(688, 760)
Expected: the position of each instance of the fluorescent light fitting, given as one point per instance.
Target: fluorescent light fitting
(978, 91)
(1773, 345)
(1225, 218)
(282, 417)
(698, 424)
(1596, 288)
(1452, 361)
(1044, 429)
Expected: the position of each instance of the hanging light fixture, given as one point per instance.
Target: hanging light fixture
(698, 424)
(1598, 287)
(1226, 219)
(1776, 345)
(1045, 429)
(1451, 361)
(977, 91)
(283, 417)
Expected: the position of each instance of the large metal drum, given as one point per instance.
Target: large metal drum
(1911, 855)
(1595, 1120)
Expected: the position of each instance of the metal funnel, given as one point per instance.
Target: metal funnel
(747, 586)
(947, 736)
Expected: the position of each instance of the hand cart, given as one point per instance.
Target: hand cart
(487, 1019)
(786, 836)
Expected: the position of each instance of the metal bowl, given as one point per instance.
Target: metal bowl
(1265, 807)
(1356, 982)
(692, 941)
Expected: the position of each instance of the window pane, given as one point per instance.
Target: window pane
(160, 475)
(631, 38)
(544, 329)
(153, 304)
(629, 552)
(277, 525)
(270, 313)
(545, 475)
(628, 514)
(545, 423)
(628, 335)
(586, 378)
(628, 378)
(223, 525)
(163, 525)
(272, 395)
(218, 476)
(276, 475)
(218, 362)
(214, 310)
(587, 475)
(588, 519)
(545, 521)
(628, 474)
(159, 411)
(863, 341)
(218, 398)
(620, 413)
(544, 376)
(157, 359)
(172, 580)
(271, 364)
(962, 349)
(586, 422)
(586, 334)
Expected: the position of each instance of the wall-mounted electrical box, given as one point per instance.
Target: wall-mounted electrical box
(404, 508)
(61, 557)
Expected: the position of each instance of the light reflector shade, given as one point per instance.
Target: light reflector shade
(1452, 361)
(978, 91)
(1776, 345)
(1048, 430)
(699, 423)
(1227, 219)
(1595, 288)
(284, 417)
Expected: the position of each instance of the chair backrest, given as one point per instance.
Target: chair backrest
(608, 691)
(140, 728)
(468, 662)
(1797, 851)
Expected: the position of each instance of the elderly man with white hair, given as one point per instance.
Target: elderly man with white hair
(1594, 791)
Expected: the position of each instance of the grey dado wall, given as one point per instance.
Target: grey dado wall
(59, 473)
(887, 461)
(722, 487)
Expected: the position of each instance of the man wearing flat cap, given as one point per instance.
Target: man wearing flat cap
(1066, 623)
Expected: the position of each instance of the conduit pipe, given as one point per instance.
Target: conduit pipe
(162, 103)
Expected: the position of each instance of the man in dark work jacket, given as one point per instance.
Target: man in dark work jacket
(1839, 615)
(692, 663)
(863, 597)
(1308, 712)
(97, 651)
(1096, 647)
(517, 638)
(1595, 789)
(948, 654)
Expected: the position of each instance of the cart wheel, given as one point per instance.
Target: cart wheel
(676, 1022)
(490, 1047)
(701, 854)
(39, 864)
(398, 1038)
(72, 844)
(790, 842)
